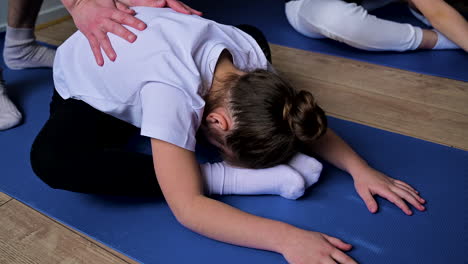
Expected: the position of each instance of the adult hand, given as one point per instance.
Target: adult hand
(312, 247)
(369, 182)
(95, 18)
(176, 5)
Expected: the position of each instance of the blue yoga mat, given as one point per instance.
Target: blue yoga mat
(268, 15)
(146, 230)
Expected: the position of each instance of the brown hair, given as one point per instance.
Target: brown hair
(270, 119)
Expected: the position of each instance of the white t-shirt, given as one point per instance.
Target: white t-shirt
(158, 82)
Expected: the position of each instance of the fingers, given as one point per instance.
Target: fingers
(413, 193)
(147, 3)
(406, 185)
(328, 261)
(105, 44)
(392, 197)
(409, 197)
(338, 255)
(369, 200)
(96, 48)
(126, 19)
(337, 242)
(341, 257)
(119, 30)
(193, 11)
(124, 8)
(178, 7)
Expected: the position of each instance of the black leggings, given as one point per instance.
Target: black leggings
(81, 149)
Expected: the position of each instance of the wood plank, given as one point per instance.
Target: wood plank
(413, 87)
(27, 236)
(440, 121)
(56, 34)
(4, 198)
(391, 114)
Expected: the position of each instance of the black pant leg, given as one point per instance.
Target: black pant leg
(256, 34)
(81, 149)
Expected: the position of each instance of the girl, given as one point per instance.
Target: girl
(173, 79)
(348, 21)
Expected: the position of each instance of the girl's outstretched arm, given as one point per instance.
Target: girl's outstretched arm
(179, 177)
(445, 19)
(367, 180)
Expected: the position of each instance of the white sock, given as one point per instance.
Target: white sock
(9, 114)
(443, 42)
(22, 51)
(223, 179)
(308, 167)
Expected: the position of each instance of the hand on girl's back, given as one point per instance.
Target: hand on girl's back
(95, 19)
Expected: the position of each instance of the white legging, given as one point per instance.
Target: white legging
(351, 24)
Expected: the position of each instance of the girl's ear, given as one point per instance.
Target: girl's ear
(219, 119)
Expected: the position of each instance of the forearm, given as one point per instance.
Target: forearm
(445, 19)
(222, 222)
(335, 150)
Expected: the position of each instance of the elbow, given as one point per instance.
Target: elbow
(186, 211)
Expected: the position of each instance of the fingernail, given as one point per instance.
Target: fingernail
(131, 38)
(141, 26)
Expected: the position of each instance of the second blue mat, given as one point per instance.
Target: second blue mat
(268, 15)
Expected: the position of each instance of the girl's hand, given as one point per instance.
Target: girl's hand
(369, 182)
(312, 247)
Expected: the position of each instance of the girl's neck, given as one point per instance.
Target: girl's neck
(224, 67)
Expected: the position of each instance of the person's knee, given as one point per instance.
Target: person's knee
(336, 18)
(45, 162)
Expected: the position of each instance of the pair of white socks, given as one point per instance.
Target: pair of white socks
(21, 51)
(289, 181)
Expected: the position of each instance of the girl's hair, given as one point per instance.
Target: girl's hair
(270, 118)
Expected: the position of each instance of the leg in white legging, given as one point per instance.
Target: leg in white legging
(351, 24)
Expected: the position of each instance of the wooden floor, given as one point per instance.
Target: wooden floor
(426, 107)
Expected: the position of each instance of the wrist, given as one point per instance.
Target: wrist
(358, 169)
(286, 237)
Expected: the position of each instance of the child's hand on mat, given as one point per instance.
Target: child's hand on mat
(312, 247)
(369, 182)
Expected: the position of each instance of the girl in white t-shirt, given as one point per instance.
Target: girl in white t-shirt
(184, 73)
(348, 21)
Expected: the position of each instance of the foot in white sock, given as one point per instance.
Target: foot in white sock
(9, 114)
(443, 42)
(308, 167)
(22, 51)
(223, 179)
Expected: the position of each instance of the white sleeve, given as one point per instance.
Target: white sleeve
(167, 114)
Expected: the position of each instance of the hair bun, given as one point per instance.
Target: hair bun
(306, 119)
